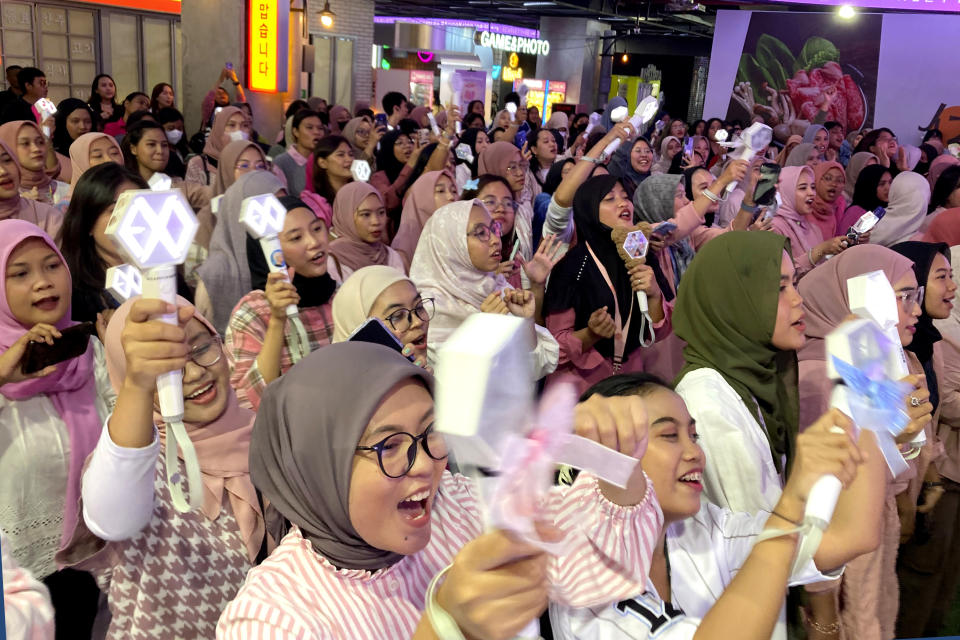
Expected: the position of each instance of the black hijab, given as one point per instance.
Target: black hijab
(576, 282)
(865, 191)
(61, 137)
(313, 291)
(923, 255)
(555, 176)
(386, 161)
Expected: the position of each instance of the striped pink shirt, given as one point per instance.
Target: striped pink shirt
(297, 593)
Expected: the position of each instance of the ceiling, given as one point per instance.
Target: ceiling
(679, 18)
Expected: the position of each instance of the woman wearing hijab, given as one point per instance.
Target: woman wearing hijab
(90, 150)
(338, 116)
(872, 191)
(829, 203)
(794, 220)
(225, 274)
(632, 163)
(431, 191)
(923, 605)
(133, 537)
(260, 334)
(938, 166)
(229, 124)
(857, 163)
(906, 211)
(74, 118)
(819, 137)
(455, 264)
(364, 137)
(788, 148)
(362, 525)
(50, 419)
(945, 229)
(946, 192)
(741, 319)
(804, 154)
(669, 148)
(504, 160)
(466, 170)
(389, 295)
(13, 205)
(360, 228)
(869, 585)
(590, 305)
(37, 160)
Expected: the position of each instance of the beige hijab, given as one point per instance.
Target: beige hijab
(352, 304)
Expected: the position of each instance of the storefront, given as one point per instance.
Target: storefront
(138, 42)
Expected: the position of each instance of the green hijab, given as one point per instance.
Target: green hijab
(726, 311)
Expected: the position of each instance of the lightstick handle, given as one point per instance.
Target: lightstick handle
(643, 302)
(636, 122)
(433, 123)
(273, 252)
(748, 155)
(160, 283)
(822, 499)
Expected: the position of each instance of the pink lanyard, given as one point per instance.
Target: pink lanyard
(620, 337)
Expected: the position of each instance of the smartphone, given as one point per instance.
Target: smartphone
(72, 343)
(766, 189)
(375, 332)
(664, 229)
(380, 119)
(688, 146)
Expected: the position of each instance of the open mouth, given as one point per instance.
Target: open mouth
(420, 342)
(626, 215)
(693, 479)
(496, 254)
(799, 325)
(47, 304)
(414, 508)
(204, 394)
(6, 183)
(320, 258)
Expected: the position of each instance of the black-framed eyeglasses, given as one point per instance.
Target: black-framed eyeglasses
(397, 452)
(401, 319)
(206, 354)
(483, 232)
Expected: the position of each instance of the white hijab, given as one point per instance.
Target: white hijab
(909, 198)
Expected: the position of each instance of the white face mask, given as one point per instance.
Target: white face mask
(174, 136)
(237, 134)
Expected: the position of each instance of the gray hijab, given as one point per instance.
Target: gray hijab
(798, 157)
(811, 132)
(653, 203)
(305, 436)
(226, 272)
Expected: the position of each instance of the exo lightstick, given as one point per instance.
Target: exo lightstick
(632, 247)
(644, 113)
(124, 282)
(511, 108)
(360, 170)
(155, 229)
(263, 216)
(754, 139)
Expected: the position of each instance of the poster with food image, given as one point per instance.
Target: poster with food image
(794, 64)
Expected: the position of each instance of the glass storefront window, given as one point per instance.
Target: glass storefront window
(332, 77)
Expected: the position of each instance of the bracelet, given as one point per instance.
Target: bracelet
(785, 518)
(594, 160)
(748, 208)
(826, 629)
(931, 485)
(442, 622)
(710, 195)
(810, 257)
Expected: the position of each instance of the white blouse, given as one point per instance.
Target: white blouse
(34, 463)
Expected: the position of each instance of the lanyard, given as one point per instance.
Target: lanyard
(620, 337)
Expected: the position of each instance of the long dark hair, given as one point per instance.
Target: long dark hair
(95, 99)
(157, 90)
(946, 184)
(324, 149)
(95, 192)
(534, 161)
(61, 137)
(132, 138)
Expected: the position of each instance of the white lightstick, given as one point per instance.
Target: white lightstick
(160, 182)
(360, 170)
(433, 123)
(45, 109)
(636, 246)
(124, 282)
(512, 110)
(645, 112)
(263, 216)
(872, 297)
(155, 229)
(754, 139)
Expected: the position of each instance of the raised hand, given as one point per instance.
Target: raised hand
(280, 294)
(494, 304)
(10, 367)
(520, 302)
(544, 260)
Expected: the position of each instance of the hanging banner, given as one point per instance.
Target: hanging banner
(268, 29)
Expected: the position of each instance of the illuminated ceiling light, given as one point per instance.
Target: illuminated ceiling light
(327, 16)
(625, 58)
(846, 12)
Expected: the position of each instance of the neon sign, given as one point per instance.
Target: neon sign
(267, 35)
(424, 56)
(533, 46)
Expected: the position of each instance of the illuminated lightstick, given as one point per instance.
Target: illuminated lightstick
(360, 170)
(433, 123)
(464, 152)
(754, 139)
(456, 83)
(155, 229)
(160, 182)
(263, 216)
(512, 110)
(857, 353)
(124, 282)
(45, 110)
(645, 112)
(632, 245)
(873, 298)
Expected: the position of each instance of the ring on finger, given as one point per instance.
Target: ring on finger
(914, 401)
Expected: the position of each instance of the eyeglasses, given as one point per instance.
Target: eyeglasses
(491, 204)
(362, 132)
(514, 168)
(397, 452)
(483, 232)
(911, 297)
(206, 354)
(244, 165)
(401, 319)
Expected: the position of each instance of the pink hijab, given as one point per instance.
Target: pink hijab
(348, 247)
(418, 114)
(70, 388)
(801, 230)
(824, 290)
(938, 166)
(335, 112)
(418, 206)
(214, 144)
(496, 158)
(28, 179)
(223, 446)
(80, 154)
(827, 214)
(41, 214)
(945, 228)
